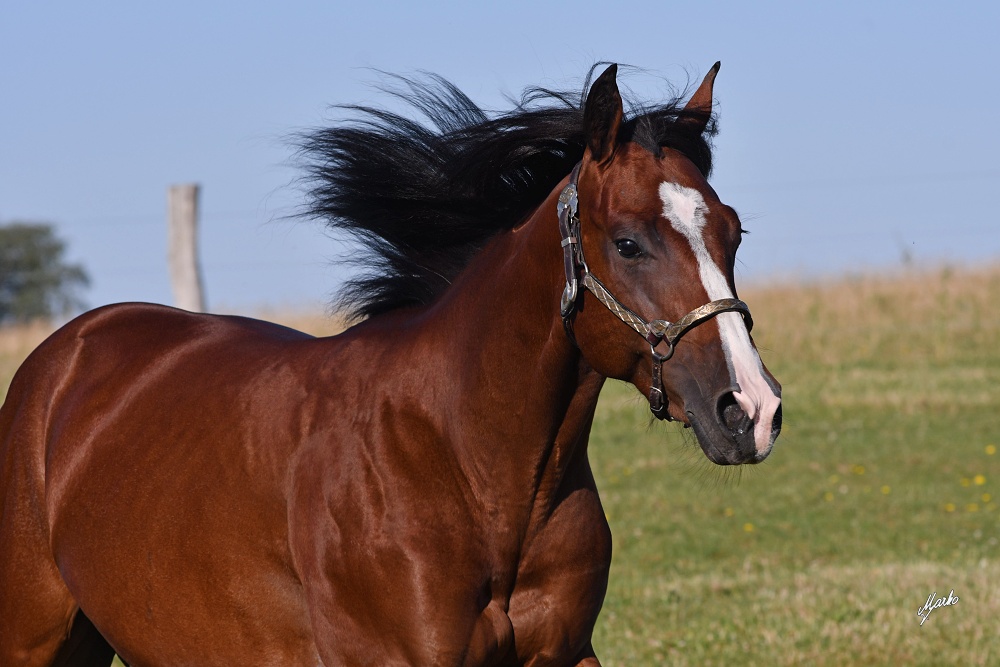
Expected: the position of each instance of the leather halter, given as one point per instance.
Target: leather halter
(656, 332)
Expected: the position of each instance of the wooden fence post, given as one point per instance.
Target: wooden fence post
(185, 271)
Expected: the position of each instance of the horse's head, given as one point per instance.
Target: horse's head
(657, 305)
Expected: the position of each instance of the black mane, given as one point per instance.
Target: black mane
(421, 199)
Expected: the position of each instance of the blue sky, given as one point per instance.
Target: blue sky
(855, 135)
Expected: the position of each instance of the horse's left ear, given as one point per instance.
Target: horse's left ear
(698, 110)
(602, 116)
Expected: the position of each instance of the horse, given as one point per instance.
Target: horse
(195, 489)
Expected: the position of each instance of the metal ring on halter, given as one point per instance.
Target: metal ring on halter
(658, 334)
(659, 357)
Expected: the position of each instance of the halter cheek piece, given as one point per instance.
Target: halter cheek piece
(661, 335)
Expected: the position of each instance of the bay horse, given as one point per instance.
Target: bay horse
(191, 489)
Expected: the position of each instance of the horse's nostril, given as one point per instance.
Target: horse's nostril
(732, 416)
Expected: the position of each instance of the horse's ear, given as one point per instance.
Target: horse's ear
(602, 116)
(698, 110)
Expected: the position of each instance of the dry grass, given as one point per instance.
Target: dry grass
(16, 343)
(924, 317)
(881, 341)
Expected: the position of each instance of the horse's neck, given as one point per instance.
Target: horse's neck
(527, 397)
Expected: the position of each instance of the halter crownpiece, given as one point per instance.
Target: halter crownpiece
(655, 332)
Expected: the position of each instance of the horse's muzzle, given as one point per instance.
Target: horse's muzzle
(727, 433)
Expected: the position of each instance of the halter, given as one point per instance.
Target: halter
(655, 332)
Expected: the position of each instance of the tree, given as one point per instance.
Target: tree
(35, 280)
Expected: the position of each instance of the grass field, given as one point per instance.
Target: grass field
(884, 488)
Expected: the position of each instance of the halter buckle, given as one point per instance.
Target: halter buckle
(568, 301)
(568, 199)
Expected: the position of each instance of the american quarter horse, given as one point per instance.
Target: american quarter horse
(191, 489)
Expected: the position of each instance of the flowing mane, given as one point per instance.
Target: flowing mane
(420, 199)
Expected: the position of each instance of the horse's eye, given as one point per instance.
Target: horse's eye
(628, 248)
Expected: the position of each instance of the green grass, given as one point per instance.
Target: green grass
(883, 488)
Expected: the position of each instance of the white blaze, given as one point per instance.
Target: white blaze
(685, 208)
